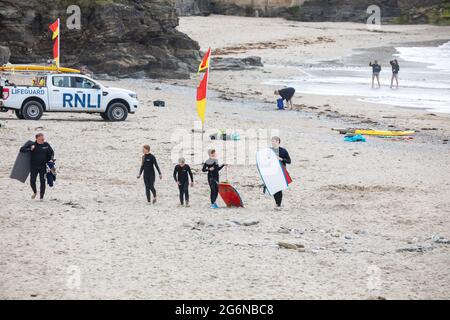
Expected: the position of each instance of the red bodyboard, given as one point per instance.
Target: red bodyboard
(229, 195)
(286, 174)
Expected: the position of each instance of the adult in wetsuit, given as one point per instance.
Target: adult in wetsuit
(376, 69)
(284, 158)
(212, 167)
(148, 166)
(395, 70)
(41, 153)
(286, 94)
(181, 174)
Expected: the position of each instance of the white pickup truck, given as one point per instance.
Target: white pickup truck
(68, 93)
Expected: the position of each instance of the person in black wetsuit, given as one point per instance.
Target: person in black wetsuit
(283, 156)
(212, 167)
(148, 166)
(286, 94)
(395, 70)
(376, 69)
(41, 154)
(181, 174)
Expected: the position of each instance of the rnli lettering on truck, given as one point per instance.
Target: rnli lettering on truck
(69, 92)
(80, 101)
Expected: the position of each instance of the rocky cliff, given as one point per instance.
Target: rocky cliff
(392, 11)
(117, 37)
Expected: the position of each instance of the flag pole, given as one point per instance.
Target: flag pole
(59, 43)
(206, 97)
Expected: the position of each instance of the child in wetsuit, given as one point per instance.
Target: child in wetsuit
(181, 174)
(212, 167)
(148, 166)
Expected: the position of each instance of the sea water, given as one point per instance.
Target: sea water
(424, 79)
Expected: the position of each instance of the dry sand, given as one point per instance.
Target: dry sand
(354, 207)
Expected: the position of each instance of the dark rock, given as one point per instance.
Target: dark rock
(193, 7)
(118, 38)
(219, 63)
(4, 55)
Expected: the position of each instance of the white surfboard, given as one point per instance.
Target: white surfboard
(270, 170)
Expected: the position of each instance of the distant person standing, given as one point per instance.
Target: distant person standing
(181, 173)
(148, 166)
(395, 70)
(284, 158)
(41, 154)
(286, 94)
(376, 69)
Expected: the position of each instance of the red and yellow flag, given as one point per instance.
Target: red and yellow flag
(201, 96)
(204, 65)
(54, 27)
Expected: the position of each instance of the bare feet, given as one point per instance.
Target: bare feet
(33, 196)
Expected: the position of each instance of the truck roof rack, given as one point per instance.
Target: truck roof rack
(36, 68)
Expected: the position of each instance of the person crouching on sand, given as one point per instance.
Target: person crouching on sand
(212, 167)
(41, 154)
(283, 156)
(148, 166)
(376, 69)
(395, 70)
(286, 94)
(181, 173)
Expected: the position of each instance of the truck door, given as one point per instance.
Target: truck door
(59, 86)
(76, 94)
(88, 95)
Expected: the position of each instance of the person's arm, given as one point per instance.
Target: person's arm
(285, 158)
(205, 168)
(190, 174)
(156, 165)
(51, 153)
(142, 167)
(26, 147)
(220, 167)
(370, 63)
(175, 174)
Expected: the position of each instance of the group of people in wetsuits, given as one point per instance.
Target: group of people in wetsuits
(42, 153)
(376, 70)
(184, 178)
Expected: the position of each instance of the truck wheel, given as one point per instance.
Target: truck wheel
(19, 114)
(104, 116)
(117, 112)
(32, 110)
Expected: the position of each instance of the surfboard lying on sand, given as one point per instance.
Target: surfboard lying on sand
(14, 68)
(271, 171)
(384, 133)
(370, 132)
(21, 168)
(229, 195)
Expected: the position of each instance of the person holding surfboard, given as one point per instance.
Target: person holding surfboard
(148, 166)
(284, 158)
(212, 167)
(41, 154)
(181, 173)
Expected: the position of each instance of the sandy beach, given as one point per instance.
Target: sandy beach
(373, 217)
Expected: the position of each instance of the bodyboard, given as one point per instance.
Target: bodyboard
(271, 171)
(229, 195)
(21, 168)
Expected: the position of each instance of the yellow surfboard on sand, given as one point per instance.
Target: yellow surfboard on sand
(30, 68)
(385, 133)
